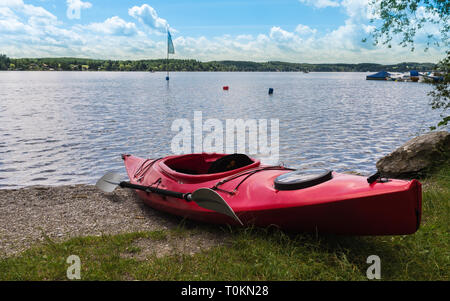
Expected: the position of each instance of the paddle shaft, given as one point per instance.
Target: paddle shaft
(174, 194)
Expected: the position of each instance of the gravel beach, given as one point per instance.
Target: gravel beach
(28, 215)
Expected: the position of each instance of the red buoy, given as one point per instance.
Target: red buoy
(226, 88)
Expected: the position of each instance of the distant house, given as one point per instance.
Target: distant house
(33, 66)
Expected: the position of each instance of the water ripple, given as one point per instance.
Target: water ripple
(67, 128)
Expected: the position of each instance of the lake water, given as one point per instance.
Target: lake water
(71, 127)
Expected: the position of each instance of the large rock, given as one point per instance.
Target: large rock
(417, 157)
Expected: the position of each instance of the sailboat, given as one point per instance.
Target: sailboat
(170, 50)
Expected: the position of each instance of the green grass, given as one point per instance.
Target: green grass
(255, 254)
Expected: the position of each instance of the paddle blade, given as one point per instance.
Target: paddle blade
(108, 182)
(209, 199)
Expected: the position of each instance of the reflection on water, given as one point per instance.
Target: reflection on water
(71, 127)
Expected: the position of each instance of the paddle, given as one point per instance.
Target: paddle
(204, 197)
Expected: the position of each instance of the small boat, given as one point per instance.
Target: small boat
(264, 196)
(433, 77)
(414, 76)
(383, 75)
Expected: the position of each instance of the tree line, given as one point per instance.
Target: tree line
(4, 62)
(81, 64)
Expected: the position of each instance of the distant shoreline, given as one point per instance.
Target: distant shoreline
(171, 71)
(178, 65)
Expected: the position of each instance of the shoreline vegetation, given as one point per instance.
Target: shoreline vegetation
(174, 65)
(119, 238)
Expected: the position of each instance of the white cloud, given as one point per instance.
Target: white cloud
(278, 34)
(147, 15)
(244, 37)
(304, 30)
(7, 13)
(11, 3)
(320, 3)
(11, 26)
(22, 24)
(358, 9)
(429, 14)
(74, 8)
(342, 45)
(115, 38)
(45, 35)
(344, 37)
(114, 26)
(305, 44)
(17, 17)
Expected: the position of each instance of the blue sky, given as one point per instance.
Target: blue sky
(311, 31)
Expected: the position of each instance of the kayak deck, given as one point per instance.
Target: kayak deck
(346, 204)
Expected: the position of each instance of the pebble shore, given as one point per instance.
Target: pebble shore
(30, 214)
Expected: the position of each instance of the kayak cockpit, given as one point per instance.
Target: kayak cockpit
(207, 166)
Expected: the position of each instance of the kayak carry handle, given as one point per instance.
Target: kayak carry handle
(377, 178)
(373, 178)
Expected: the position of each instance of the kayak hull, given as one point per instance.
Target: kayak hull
(345, 205)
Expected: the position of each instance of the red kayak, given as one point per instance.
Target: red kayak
(301, 201)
